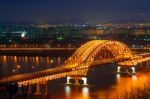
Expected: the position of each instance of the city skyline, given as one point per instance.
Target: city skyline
(93, 11)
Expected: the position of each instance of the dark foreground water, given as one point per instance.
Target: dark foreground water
(103, 82)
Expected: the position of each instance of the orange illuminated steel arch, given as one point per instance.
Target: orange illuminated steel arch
(85, 55)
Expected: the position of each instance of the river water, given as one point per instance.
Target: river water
(103, 81)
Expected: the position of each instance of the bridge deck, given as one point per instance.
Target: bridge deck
(37, 74)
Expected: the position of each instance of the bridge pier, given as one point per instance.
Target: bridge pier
(147, 64)
(46, 89)
(128, 70)
(29, 89)
(133, 70)
(38, 92)
(76, 80)
(68, 80)
(84, 80)
(118, 69)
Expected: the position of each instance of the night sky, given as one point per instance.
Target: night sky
(93, 11)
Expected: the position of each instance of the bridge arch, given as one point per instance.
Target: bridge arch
(84, 56)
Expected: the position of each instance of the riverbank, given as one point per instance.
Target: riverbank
(37, 51)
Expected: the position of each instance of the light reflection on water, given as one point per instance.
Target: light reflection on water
(118, 76)
(125, 84)
(85, 91)
(11, 65)
(67, 91)
(102, 88)
(134, 77)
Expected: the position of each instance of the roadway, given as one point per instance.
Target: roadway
(19, 77)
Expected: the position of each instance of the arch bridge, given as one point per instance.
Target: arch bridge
(91, 53)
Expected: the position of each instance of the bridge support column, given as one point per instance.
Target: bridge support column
(29, 89)
(118, 69)
(84, 80)
(38, 89)
(46, 89)
(133, 70)
(147, 64)
(76, 81)
(68, 80)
